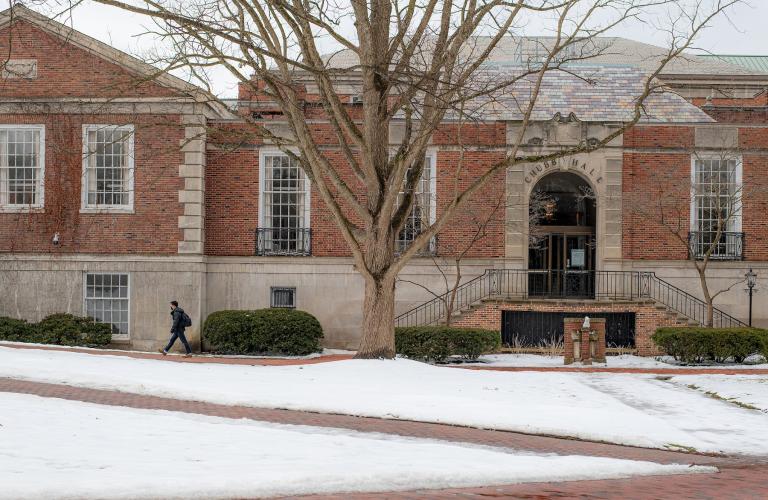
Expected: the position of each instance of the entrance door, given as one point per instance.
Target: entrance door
(578, 275)
(562, 265)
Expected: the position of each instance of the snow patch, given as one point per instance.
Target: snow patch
(53, 448)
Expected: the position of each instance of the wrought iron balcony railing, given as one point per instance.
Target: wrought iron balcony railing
(729, 246)
(289, 241)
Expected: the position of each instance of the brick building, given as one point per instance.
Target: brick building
(120, 191)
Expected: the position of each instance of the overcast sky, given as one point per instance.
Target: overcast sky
(744, 31)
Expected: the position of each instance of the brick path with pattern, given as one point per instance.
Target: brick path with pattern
(738, 477)
(252, 361)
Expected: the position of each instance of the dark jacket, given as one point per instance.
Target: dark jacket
(178, 322)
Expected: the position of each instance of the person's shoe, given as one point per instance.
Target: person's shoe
(163, 352)
(188, 355)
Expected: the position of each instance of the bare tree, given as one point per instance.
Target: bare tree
(416, 65)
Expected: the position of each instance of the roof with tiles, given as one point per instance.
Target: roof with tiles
(589, 94)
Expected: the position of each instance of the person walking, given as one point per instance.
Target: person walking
(179, 322)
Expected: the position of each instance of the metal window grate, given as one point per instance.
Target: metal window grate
(421, 212)
(108, 166)
(107, 300)
(284, 297)
(21, 180)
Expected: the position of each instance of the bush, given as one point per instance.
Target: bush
(264, 331)
(67, 329)
(61, 329)
(15, 330)
(436, 343)
(697, 345)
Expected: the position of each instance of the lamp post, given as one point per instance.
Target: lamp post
(751, 277)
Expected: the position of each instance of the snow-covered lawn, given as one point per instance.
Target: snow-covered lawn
(53, 448)
(748, 390)
(622, 361)
(636, 410)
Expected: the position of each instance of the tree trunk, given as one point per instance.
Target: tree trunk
(378, 335)
(378, 339)
(708, 300)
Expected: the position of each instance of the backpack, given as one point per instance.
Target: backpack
(186, 321)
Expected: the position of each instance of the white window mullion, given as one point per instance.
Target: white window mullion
(22, 167)
(107, 300)
(716, 187)
(424, 207)
(284, 205)
(108, 168)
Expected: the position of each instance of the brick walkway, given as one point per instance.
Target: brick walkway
(177, 358)
(739, 477)
(253, 361)
(608, 369)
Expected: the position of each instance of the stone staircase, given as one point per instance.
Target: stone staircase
(595, 287)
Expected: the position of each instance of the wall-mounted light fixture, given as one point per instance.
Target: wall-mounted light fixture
(56, 238)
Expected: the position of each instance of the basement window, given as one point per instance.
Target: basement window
(107, 297)
(283, 297)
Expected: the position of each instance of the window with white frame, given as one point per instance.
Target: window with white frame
(716, 207)
(22, 176)
(284, 220)
(107, 299)
(108, 167)
(423, 210)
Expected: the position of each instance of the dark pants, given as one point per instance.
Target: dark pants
(178, 335)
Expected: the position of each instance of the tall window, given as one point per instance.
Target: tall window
(716, 207)
(21, 166)
(108, 167)
(107, 300)
(284, 227)
(422, 212)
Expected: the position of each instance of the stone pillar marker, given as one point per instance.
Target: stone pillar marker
(584, 340)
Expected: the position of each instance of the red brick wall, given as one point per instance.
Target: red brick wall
(231, 201)
(757, 115)
(659, 136)
(64, 70)
(655, 187)
(648, 318)
(152, 229)
(754, 222)
(232, 188)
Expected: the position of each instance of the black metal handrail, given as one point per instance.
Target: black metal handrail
(288, 241)
(728, 246)
(582, 285)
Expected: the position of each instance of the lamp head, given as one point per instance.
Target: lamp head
(751, 278)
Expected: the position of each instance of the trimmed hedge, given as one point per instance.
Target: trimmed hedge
(697, 345)
(60, 329)
(437, 343)
(264, 331)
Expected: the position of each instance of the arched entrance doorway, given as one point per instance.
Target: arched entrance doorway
(561, 249)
